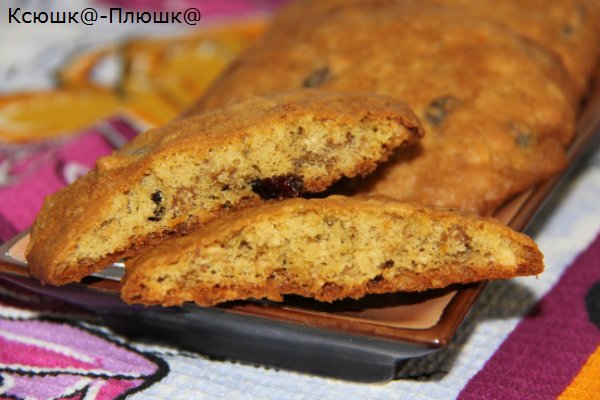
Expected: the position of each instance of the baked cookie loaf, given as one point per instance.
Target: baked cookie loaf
(498, 109)
(329, 249)
(568, 28)
(175, 178)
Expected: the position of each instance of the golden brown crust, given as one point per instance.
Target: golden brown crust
(177, 177)
(498, 110)
(568, 28)
(328, 249)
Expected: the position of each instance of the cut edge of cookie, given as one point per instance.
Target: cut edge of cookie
(328, 249)
(306, 143)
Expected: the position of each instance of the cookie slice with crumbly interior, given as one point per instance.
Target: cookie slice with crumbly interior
(328, 249)
(170, 180)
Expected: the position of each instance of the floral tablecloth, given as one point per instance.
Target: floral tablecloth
(529, 338)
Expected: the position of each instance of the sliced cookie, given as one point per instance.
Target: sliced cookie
(175, 178)
(328, 249)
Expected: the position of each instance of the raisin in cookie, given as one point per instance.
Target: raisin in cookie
(328, 249)
(172, 179)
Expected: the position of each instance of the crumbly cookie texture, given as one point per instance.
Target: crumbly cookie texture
(328, 249)
(170, 180)
(499, 110)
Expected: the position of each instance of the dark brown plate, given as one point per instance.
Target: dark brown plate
(364, 340)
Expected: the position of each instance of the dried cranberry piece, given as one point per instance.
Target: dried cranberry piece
(159, 210)
(438, 110)
(278, 187)
(316, 78)
(157, 197)
(523, 133)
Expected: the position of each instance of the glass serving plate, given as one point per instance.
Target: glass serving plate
(363, 340)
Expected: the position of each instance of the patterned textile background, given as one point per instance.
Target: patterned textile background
(70, 93)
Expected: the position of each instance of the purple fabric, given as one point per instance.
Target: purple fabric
(549, 347)
(52, 359)
(39, 170)
(61, 345)
(7, 230)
